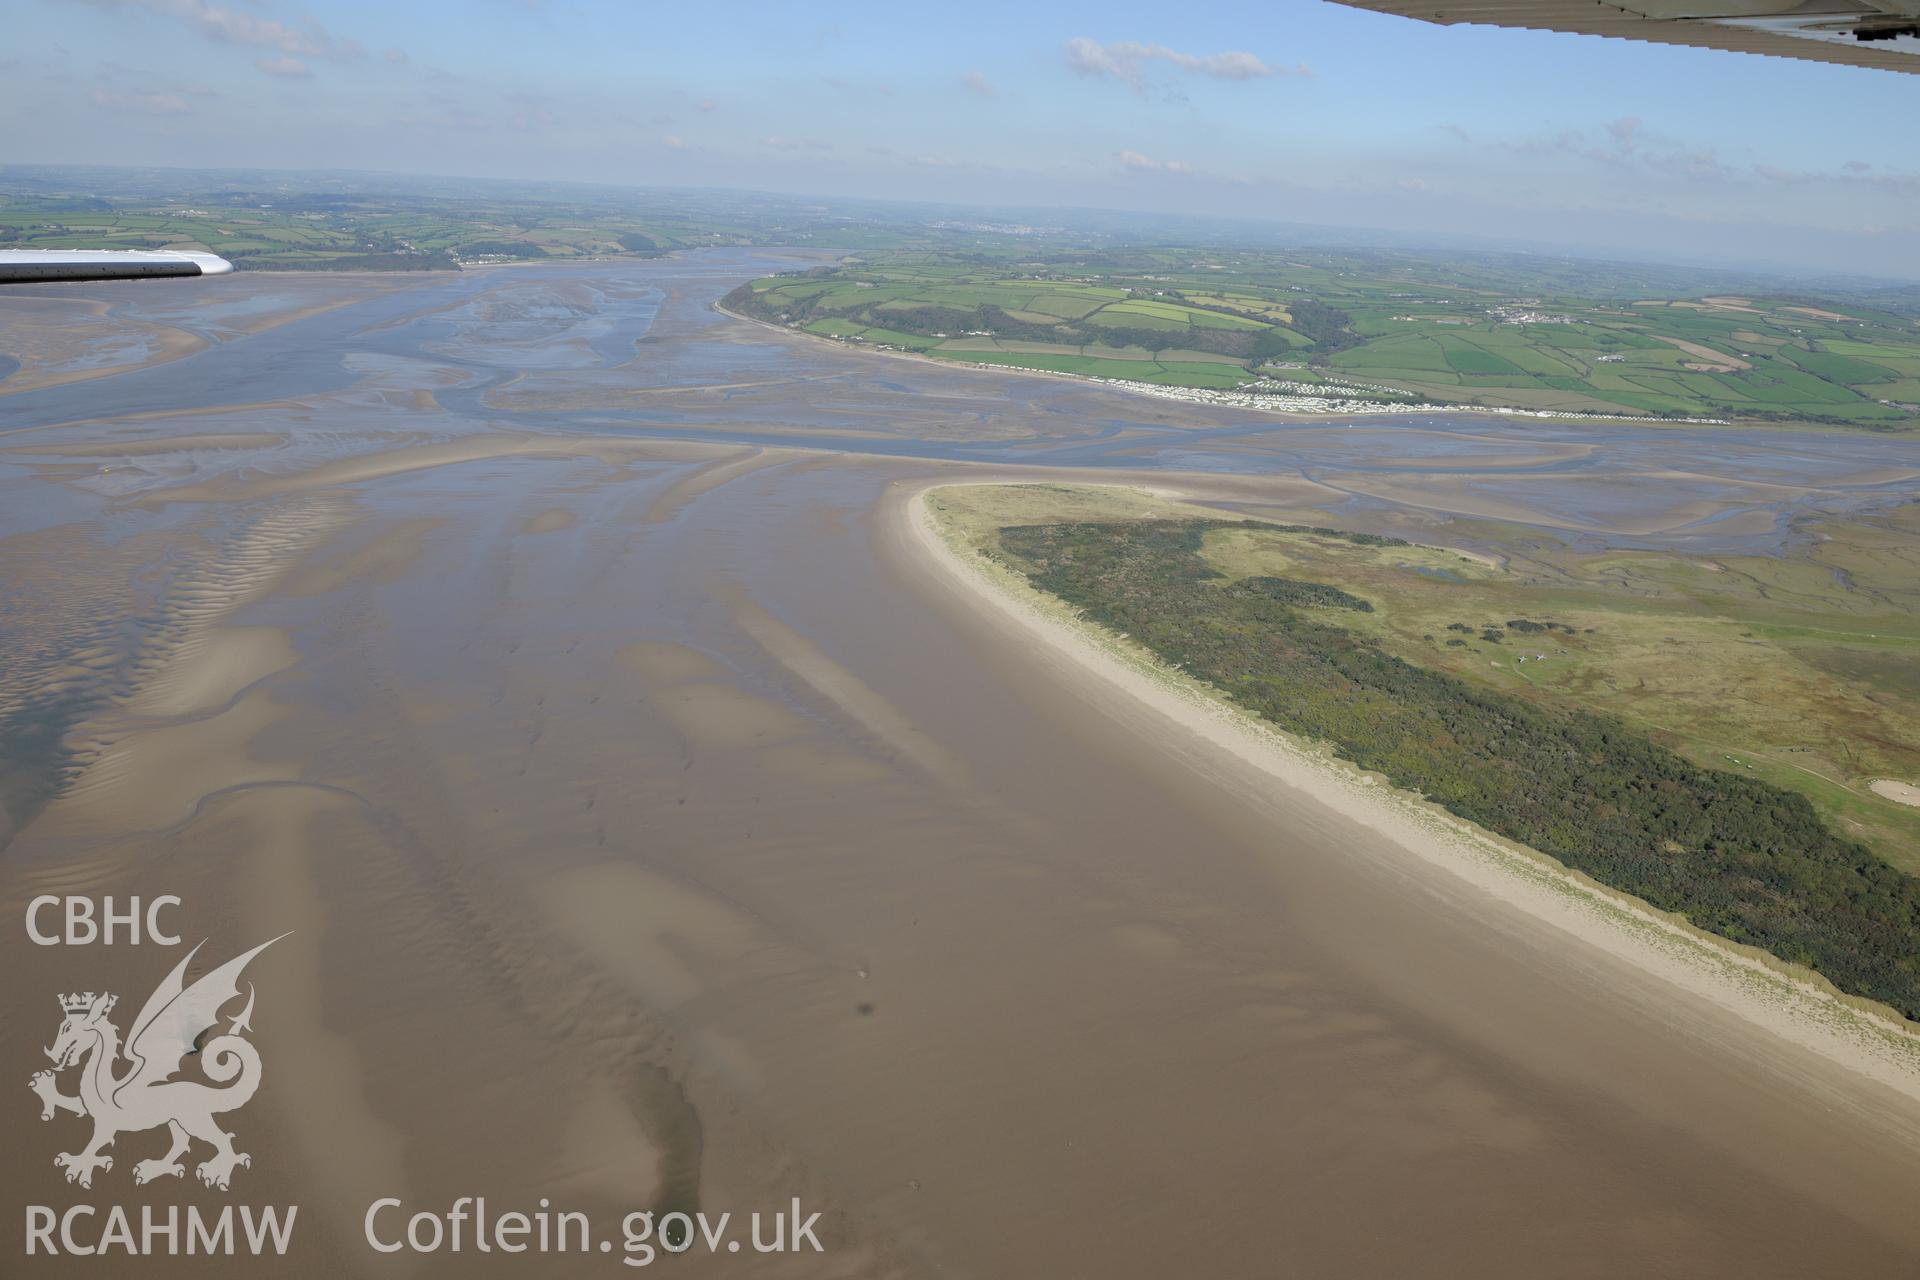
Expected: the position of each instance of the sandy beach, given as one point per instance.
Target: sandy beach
(1796, 1005)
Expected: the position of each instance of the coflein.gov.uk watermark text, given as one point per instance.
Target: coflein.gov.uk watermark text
(468, 1225)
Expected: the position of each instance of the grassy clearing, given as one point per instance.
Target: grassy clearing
(1802, 671)
(1782, 670)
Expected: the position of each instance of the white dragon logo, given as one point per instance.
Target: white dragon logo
(145, 1096)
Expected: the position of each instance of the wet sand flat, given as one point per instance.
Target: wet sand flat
(63, 334)
(659, 829)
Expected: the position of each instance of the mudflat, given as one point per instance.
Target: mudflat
(660, 824)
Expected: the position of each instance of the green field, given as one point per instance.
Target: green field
(383, 222)
(1380, 326)
(317, 232)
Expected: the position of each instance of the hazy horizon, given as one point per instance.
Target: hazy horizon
(1120, 226)
(1307, 113)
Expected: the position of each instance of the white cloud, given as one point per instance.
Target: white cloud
(530, 110)
(236, 26)
(977, 82)
(921, 161)
(1626, 146)
(151, 104)
(1126, 61)
(285, 68)
(1853, 175)
(1138, 163)
(674, 142)
(857, 88)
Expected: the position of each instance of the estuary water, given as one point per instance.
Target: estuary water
(542, 648)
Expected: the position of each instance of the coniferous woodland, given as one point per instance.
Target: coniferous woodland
(1740, 857)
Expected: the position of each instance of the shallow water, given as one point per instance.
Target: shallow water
(634, 349)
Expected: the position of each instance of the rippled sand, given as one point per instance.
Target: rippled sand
(657, 829)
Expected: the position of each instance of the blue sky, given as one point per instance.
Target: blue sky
(1290, 109)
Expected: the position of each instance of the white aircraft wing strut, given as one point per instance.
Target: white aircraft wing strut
(30, 266)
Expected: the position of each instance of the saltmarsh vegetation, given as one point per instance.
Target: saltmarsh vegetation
(1736, 854)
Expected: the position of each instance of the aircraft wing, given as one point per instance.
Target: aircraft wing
(27, 266)
(1862, 33)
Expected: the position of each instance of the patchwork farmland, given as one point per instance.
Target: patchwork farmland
(1377, 328)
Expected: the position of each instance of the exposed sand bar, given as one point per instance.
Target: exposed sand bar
(41, 332)
(426, 457)
(141, 448)
(125, 326)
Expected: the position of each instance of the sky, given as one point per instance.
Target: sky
(1295, 110)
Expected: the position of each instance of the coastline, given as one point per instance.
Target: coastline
(1152, 391)
(1125, 388)
(1785, 1001)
